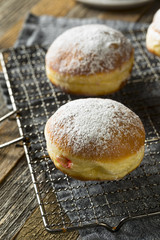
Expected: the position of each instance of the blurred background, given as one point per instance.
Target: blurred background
(13, 13)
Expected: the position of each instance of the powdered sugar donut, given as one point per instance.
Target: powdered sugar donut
(95, 139)
(90, 60)
(153, 35)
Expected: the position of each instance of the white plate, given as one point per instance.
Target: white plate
(115, 4)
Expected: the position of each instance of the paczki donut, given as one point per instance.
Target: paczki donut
(95, 139)
(90, 60)
(153, 35)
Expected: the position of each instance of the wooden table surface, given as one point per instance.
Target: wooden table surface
(20, 216)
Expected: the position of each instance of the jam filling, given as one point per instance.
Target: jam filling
(65, 162)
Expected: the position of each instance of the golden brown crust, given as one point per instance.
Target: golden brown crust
(114, 148)
(92, 85)
(54, 64)
(120, 63)
(95, 139)
(77, 93)
(153, 51)
(90, 60)
(88, 50)
(87, 170)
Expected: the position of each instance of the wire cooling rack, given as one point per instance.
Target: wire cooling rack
(76, 204)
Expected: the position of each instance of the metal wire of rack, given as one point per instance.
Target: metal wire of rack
(86, 204)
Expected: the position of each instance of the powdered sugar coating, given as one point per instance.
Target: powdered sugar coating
(156, 22)
(157, 16)
(153, 33)
(88, 49)
(96, 128)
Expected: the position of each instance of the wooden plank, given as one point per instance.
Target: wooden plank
(82, 11)
(57, 7)
(13, 216)
(50, 7)
(148, 15)
(131, 15)
(54, 7)
(10, 155)
(11, 35)
(34, 227)
(17, 200)
(11, 11)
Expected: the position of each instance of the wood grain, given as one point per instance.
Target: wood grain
(20, 217)
(50, 7)
(54, 7)
(10, 155)
(34, 228)
(9, 38)
(10, 222)
(17, 200)
(82, 11)
(11, 11)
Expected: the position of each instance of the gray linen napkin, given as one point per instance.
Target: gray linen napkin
(43, 30)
